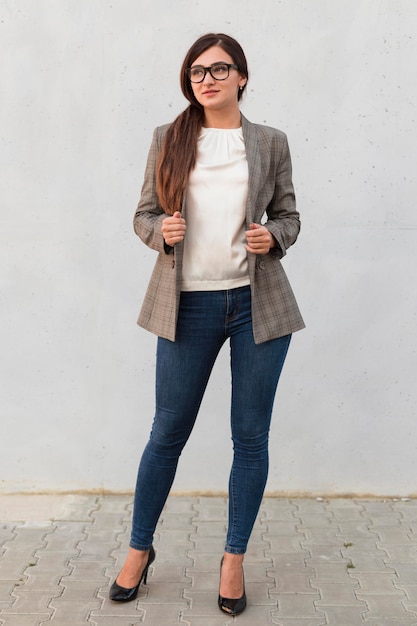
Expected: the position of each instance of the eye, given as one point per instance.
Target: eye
(196, 72)
(219, 68)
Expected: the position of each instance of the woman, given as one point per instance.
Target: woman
(211, 178)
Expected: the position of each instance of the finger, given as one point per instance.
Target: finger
(256, 230)
(256, 239)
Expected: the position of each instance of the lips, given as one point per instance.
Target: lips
(210, 92)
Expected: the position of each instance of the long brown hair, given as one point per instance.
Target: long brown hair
(179, 150)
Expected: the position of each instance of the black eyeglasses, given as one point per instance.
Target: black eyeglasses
(218, 71)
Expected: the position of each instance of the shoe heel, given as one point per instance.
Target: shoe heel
(151, 559)
(145, 575)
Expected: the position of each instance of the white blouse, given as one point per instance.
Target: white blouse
(215, 257)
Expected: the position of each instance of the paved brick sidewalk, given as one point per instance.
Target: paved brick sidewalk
(335, 562)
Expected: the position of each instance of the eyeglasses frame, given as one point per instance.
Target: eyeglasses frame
(208, 69)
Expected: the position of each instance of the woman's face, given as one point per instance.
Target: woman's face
(217, 94)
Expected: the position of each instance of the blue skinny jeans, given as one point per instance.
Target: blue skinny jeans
(206, 320)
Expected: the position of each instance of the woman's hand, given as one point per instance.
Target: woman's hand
(259, 239)
(173, 229)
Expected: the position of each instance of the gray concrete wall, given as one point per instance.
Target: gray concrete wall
(83, 83)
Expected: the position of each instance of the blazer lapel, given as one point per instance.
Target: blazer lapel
(254, 166)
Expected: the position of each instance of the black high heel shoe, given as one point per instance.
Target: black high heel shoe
(124, 594)
(232, 606)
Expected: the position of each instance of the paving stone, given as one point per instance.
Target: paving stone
(344, 616)
(79, 611)
(170, 571)
(26, 620)
(184, 504)
(412, 609)
(305, 621)
(165, 615)
(257, 552)
(260, 593)
(166, 552)
(320, 535)
(396, 535)
(383, 606)
(282, 528)
(362, 545)
(113, 620)
(409, 590)
(177, 522)
(45, 561)
(95, 551)
(406, 572)
(332, 594)
(291, 582)
(329, 572)
(408, 510)
(306, 506)
(66, 536)
(345, 504)
(32, 600)
(315, 520)
(413, 529)
(208, 545)
(348, 530)
(30, 538)
(279, 510)
(87, 571)
(202, 581)
(378, 508)
(348, 514)
(6, 600)
(256, 572)
(403, 553)
(207, 620)
(376, 583)
(329, 552)
(77, 591)
(290, 562)
(298, 605)
(113, 504)
(252, 616)
(166, 593)
(174, 538)
(387, 520)
(380, 621)
(370, 563)
(287, 545)
(206, 529)
(204, 562)
(43, 579)
(211, 509)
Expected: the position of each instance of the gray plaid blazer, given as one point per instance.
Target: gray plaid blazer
(274, 309)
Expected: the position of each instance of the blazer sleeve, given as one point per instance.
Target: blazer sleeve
(149, 214)
(283, 219)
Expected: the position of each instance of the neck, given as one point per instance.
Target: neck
(218, 119)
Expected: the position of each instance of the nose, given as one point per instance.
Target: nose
(208, 79)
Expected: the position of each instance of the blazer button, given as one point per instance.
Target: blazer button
(173, 264)
(261, 265)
